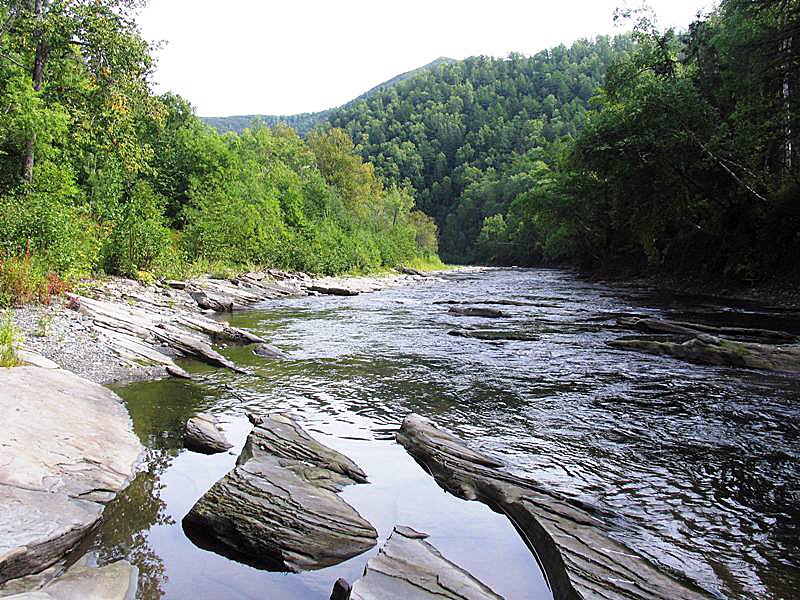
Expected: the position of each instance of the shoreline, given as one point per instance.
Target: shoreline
(71, 339)
(81, 342)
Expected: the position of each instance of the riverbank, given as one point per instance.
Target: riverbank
(114, 349)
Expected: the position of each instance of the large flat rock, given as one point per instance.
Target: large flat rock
(571, 541)
(66, 449)
(115, 581)
(409, 567)
(278, 508)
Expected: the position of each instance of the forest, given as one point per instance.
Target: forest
(100, 175)
(656, 151)
(664, 151)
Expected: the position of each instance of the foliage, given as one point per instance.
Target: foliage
(138, 236)
(99, 174)
(454, 133)
(9, 341)
(303, 123)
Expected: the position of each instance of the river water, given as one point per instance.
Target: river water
(700, 465)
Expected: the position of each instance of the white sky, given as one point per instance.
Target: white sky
(284, 57)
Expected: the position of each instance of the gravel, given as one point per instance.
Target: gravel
(67, 338)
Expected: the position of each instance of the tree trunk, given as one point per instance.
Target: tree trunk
(38, 71)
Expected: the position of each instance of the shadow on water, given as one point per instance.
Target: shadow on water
(701, 464)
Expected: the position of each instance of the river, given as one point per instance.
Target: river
(700, 465)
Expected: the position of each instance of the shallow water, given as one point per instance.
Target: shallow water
(698, 465)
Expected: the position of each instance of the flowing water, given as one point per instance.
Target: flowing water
(700, 465)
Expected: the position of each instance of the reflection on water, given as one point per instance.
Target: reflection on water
(698, 465)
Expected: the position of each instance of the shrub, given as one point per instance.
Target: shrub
(9, 339)
(138, 237)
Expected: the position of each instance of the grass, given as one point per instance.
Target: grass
(9, 340)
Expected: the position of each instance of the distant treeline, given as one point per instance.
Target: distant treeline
(468, 137)
(658, 150)
(303, 123)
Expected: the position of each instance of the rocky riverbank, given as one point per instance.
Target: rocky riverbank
(120, 330)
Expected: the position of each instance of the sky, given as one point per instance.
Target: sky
(282, 57)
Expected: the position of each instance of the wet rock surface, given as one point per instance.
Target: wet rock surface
(407, 566)
(277, 509)
(570, 540)
(204, 435)
(67, 449)
(494, 335)
(475, 311)
(712, 350)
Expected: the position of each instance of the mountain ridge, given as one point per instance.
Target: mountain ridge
(305, 122)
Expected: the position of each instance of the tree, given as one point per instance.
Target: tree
(51, 37)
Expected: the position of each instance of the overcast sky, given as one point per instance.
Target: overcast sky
(284, 57)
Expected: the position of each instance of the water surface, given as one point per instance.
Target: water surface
(698, 465)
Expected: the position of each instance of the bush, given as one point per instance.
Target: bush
(138, 237)
(23, 280)
(9, 339)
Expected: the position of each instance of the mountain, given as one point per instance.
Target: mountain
(468, 137)
(305, 122)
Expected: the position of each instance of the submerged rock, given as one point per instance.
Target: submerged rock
(203, 435)
(711, 350)
(67, 449)
(277, 509)
(409, 567)
(570, 540)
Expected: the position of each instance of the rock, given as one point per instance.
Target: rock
(472, 311)
(268, 351)
(36, 360)
(409, 567)
(711, 350)
(115, 581)
(409, 271)
(134, 331)
(341, 590)
(494, 335)
(176, 371)
(735, 333)
(277, 509)
(203, 435)
(210, 301)
(570, 540)
(176, 285)
(331, 290)
(67, 449)
(500, 302)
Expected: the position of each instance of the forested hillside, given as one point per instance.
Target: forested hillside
(302, 123)
(673, 151)
(468, 136)
(97, 174)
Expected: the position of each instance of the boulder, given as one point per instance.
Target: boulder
(67, 449)
(740, 334)
(333, 290)
(570, 540)
(203, 435)
(277, 509)
(409, 567)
